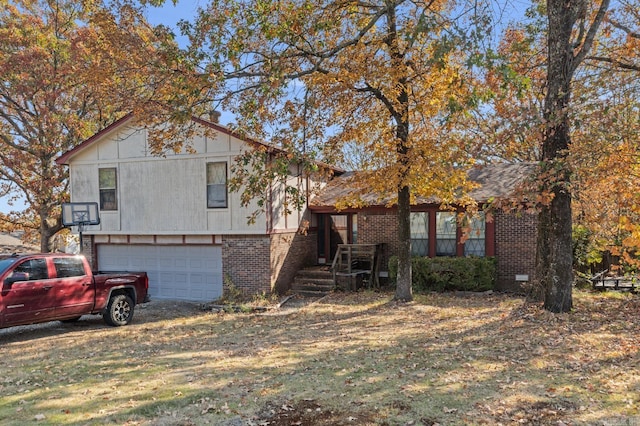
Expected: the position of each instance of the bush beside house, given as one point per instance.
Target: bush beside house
(449, 273)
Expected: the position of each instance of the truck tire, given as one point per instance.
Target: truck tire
(119, 310)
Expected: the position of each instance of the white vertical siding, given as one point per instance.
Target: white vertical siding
(131, 143)
(167, 195)
(163, 196)
(291, 220)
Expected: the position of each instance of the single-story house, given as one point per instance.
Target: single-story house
(173, 217)
(508, 236)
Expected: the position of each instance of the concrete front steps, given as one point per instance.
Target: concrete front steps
(315, 281)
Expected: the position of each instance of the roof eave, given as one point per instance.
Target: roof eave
(63, 160)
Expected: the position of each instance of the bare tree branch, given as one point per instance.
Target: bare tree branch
(615, 62)
(591, 34)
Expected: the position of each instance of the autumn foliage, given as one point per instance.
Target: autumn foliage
(390, 81)
(603, 155)
(404, 91)
(68, 70)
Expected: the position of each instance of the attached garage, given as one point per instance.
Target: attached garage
(184, 272)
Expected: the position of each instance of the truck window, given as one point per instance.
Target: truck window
(6, 264)
(69, 267)
(36, 268)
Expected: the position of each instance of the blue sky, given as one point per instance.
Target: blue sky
(170, 14)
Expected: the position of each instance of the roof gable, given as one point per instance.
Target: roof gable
(65, 158)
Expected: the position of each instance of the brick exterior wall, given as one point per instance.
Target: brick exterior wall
(289, 253)
(379, 227)
(88, 250)
(245, 262)
(265, 263)
(515, 249)
(515, 243)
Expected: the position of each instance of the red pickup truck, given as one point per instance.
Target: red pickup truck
(53, 286)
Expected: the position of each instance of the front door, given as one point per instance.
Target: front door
(334, 229)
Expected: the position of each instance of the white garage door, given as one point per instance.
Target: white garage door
(175, 272)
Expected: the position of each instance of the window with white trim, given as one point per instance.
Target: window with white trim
(217, 185)
(108, 185)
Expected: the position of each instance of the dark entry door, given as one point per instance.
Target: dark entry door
(333, 229)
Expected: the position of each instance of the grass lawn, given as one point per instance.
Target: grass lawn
(349, 359)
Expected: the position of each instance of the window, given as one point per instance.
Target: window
(216, 185)
(108, 189)
(69, 267)
(6, 263)
(474, 246)
(36, 269)
(354, 229)
(419, 222)
(446, 240)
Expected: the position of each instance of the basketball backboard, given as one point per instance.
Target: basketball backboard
(80, 214)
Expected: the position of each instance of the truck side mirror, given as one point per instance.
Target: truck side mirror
(15, 277)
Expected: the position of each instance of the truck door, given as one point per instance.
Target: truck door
(73, 287)
(29, 299)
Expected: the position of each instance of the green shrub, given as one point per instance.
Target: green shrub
(449, 273)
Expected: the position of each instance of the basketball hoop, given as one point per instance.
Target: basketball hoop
(80, 215)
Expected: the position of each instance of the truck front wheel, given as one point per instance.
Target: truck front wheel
(119, 310)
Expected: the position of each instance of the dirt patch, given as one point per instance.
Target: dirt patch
(310, 412)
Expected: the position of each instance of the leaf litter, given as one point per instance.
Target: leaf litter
(348, 359)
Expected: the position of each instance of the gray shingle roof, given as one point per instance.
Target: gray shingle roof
(10, 244)
(499, 181)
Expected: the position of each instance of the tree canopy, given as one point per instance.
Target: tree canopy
(392, 77)
(68, 69)
(398, 82)
(606, 157)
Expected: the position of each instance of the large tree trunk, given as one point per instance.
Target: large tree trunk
(567, 47)
(404, 290)
(555, 256)
(403, 285)
(47, 231)
(45, 239)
